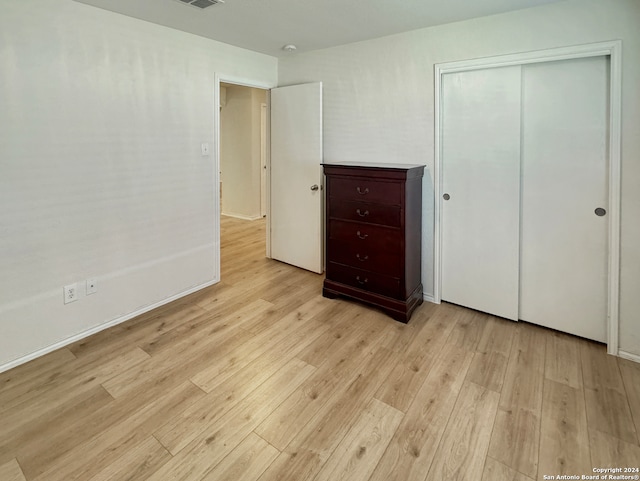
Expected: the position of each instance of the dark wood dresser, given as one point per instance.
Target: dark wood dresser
(373, 235)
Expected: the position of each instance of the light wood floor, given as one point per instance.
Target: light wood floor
(261, 378)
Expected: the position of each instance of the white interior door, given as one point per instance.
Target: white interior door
(481, 177)
(296, 176)
(563, 275)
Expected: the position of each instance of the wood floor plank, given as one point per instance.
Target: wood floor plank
(490, 361)
(124, 426)
(463, 448)
(496, 471)
(195, 351)
(515, 441)
(608, 408)
(327, 345)
(247, 462)
(562, 361)
(25, 407)
(35, 445)
(233, 296)
(204, 453)
(411, 451)
(401, 335)
(240, 354)
(298, 279)
(630, 372)
(525, 371)
(227, 319)
(137, 330)
(355, 457)
(415, 363)
(564, 446)
(137, 464)
(298, 295)
(10, 471)
(288, 419)
(258, 274)
(318, 438)
(599, 369)
(610, 452)
(305, 463)
(51, 379)
(34, 372)
(183, 428)
(516, 434)
(608, 412)
(205, 324)
(468, 327)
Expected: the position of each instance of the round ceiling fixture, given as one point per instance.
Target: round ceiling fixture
(289, 48)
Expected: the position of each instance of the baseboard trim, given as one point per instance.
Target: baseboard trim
(629, 356)
(101, 327)
(429, 298)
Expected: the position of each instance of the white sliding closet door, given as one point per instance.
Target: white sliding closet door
(481, 178)
(563, 271)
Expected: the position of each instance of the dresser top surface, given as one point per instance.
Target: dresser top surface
(373, 165)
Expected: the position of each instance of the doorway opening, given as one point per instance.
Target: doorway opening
(243, 156)
(243, 168)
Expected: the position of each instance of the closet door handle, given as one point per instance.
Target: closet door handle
(446, 197)
(600, 212)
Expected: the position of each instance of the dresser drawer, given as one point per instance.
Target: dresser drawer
(374, 236)
(366, 190)
(369, 281)
(358, 255)
(364, 212)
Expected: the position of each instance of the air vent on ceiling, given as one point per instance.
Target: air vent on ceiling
(201, 3)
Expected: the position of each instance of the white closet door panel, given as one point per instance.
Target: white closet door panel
(481, 174)
(563, 272)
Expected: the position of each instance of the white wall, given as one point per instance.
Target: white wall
(240, 151)
(379, 103)
(101, 121)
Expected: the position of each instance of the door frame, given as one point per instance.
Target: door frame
(264, 120)
(612, 49)
(244, 82)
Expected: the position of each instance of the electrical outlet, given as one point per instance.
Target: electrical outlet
(70, 293)
(92, 286)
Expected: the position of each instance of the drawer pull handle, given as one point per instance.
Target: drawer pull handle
(362, 259)
(360, 281)
(362, 214)
(361, 236)
(362, 192)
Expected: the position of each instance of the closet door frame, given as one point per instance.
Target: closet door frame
(613, 50)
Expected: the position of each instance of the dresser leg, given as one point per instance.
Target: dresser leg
(329, 294)
(399, 316)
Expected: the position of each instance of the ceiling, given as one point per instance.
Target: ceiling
(267, 25)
